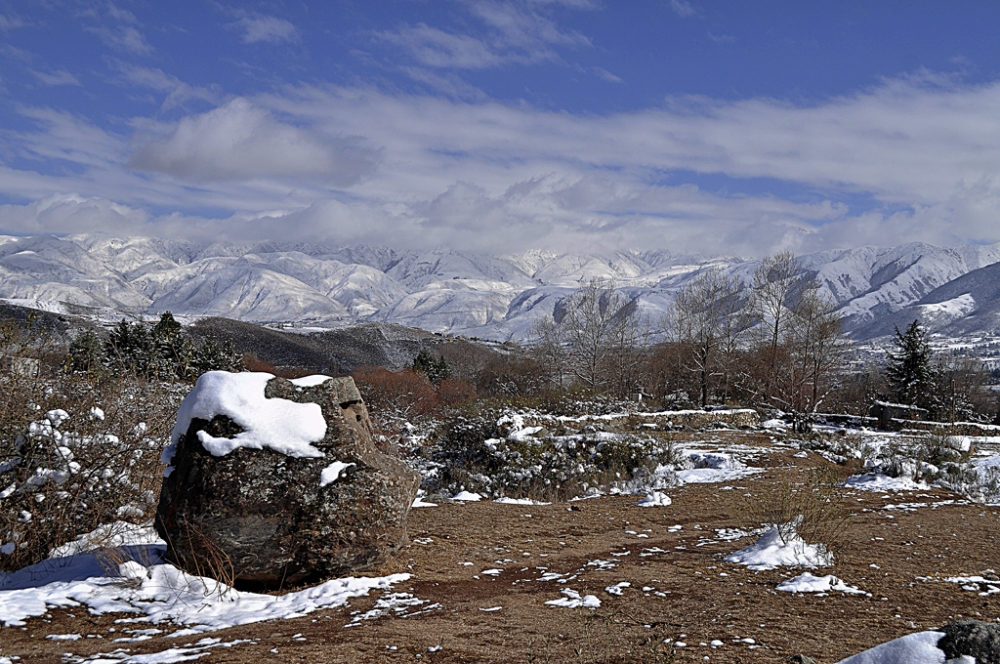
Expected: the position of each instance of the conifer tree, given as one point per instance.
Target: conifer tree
(85, 352)
(910, 371)
(435, 370)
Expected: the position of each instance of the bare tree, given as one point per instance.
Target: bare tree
(774, 285)
(596, 326)
(708, 318)
(813, 350)
(549, 353)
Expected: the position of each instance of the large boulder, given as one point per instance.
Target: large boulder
(971, 638)
(272, 482)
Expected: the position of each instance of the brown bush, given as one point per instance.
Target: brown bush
(395, 396)
(253, 363)
(454, 391)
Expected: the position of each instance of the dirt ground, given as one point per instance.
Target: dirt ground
(680, 588)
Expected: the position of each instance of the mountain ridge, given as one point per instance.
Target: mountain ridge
(453, 292)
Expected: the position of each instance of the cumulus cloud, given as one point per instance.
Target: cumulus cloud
(270, 29)
(71, 213)
(911, 159)
(239, 140)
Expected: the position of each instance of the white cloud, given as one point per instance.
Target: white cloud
(510, 33)
(448, 84)
(121, 15)
(239, 141)
(271, 29)
(123, 38)
(178, 92)
(71, 213)
(605, 75)
(683, 8)
(437, 48)
(59, 77)
(8, 23)
(355, 164)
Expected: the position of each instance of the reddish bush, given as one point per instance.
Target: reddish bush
(455, 390)
(400, 395)
(254, 363)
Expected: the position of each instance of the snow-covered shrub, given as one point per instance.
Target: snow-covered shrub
(75, 454)
(930, 458)
(492, 451)
(837, 448)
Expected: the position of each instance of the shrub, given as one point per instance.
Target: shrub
(812, 509)
(395, 397)
(76, 453)
(490, 450)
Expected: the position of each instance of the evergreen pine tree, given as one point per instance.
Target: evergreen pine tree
(172, 351)
(85, 352)
(130, 348)
(435, 370)
(211, 356)
(909, 369)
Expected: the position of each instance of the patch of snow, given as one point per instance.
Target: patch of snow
(917, 648)
(519, 501)
(164, 594)
(880, 482)
(617, 588)
(771, 551)
(310, 381)
(573, 600)
(713, 467)
(108, 536)
(807, 583)
(467, 496)
(419, 502)
(332, 472)
(655, 499)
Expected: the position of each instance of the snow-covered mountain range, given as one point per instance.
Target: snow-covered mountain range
(953, 290)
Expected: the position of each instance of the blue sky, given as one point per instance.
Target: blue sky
(709, 127)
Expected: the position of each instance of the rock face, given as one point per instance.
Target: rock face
(972, 638)
(272, 518)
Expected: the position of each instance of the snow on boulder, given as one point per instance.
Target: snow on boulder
(918, 648)
(961, 642)
(275, 482)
